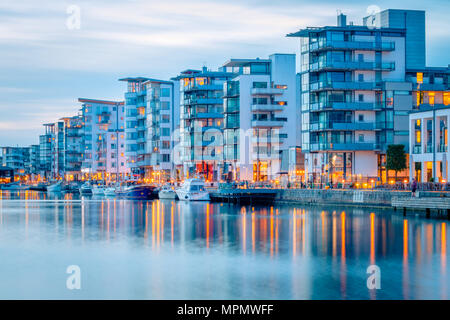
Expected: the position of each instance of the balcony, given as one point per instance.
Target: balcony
(208, 87)
(428, 148)
(267, 107)
(347, 85)
(269, 123)
(367, 106)
(357, 146)
(442, 148)
(352, 45)
(351, 65)
(342, 126)
(194, 101)
(267, 91)
(207, 115)
(417, 149)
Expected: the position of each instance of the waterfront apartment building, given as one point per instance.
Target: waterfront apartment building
(52, 150)
(35, 161)
(73, 147)
(202, 123)
(17, 159)
(152, 116)
(428, 124)
(354, 99)
(261, 118)
(104, 139)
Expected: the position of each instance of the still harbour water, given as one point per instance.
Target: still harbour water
(165, 249)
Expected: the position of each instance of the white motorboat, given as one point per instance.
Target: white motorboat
(86, 189)
(167, 192)
(98, 190)
(110, 192)
(193, 190)
(55, 187)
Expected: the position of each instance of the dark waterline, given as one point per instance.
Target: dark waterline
(167, 249)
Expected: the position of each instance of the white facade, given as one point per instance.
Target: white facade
(261, 116)
(429, 152)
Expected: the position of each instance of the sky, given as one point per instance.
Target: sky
(54, 51)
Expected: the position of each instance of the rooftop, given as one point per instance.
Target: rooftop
(84, 100)
(244, 62)
(305, 32)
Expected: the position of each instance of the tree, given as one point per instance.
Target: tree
(396, 158)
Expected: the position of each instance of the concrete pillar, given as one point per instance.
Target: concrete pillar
(412, 168)
(424, 171)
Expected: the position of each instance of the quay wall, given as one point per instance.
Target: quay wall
(370, 198)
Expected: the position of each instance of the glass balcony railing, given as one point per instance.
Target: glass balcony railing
(344, 85)
(332, 125)
(351, 65)
(428, 148)
(352, 45)
(442, 148)
(417, 149)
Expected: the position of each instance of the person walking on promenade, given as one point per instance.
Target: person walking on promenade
(413, 187)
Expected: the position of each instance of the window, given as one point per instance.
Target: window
(259, 84)
(361, 98)
(165, 132)
(360, 57)
(165, 92)
(361, 138)
(361, 118)
(165, 105)
(361, 77)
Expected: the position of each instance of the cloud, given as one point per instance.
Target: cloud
(46, 66)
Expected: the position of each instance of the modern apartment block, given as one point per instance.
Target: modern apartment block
(52, 150)
(17, 159)
(73, 146)
(104, 139)
(261, 118)
(152, 116)
(428, 124)
(354, 99)
(202, 123)
(35, 160)
(45, 151)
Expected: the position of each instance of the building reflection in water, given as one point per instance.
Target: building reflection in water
(336, 240)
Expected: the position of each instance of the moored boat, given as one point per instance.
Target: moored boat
(98, 190)
(193, 190)
(167, 192)
(138, 192)
(14, 186)
(55, 187)
(86, 189)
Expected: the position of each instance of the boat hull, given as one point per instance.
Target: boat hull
(170, 195)
(193, 196)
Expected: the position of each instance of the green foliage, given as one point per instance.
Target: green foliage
(396, 158)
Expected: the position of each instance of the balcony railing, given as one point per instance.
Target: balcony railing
(351, 65)
(267, 91)
(417, 149)
(442, 148)
(363, 126)
(344, 85)
(267, 107)
(357, 146)
(319, 106)
(269, 123)
(352, 45)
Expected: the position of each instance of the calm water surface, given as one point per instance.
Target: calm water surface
(166, 249)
